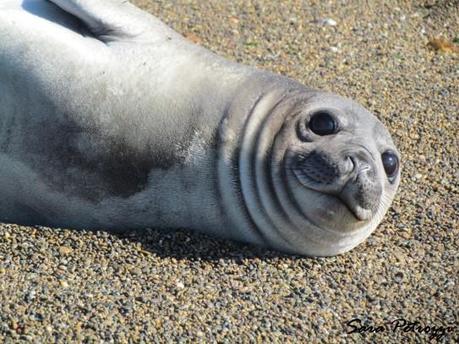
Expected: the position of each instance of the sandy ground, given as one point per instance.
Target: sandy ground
(66, 286)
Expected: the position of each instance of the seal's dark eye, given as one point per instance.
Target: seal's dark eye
(390, 163)
(322, 123)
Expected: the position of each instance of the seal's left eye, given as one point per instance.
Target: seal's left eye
(390, 163)
(322, 123)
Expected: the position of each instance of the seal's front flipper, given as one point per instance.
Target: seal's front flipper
(110, 20)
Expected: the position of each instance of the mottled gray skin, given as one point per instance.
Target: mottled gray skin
(109, 119)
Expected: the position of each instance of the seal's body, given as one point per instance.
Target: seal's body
(109, 119)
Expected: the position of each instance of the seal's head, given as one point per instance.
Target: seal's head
(345, 161)
(317, 172)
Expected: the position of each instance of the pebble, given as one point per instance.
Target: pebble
(334, 49)
(327, 21)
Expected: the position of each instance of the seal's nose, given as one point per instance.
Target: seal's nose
(362, 191)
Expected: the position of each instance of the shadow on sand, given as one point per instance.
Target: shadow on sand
(190, 245)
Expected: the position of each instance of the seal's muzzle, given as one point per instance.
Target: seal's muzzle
(351, 177)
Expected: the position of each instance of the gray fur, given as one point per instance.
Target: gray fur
(109, 119)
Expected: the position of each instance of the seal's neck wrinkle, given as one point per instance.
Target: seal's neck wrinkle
(246, 185)
(244, 108)
(254, 161)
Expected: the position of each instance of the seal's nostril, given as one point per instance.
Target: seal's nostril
(365, 168)
(351, 164)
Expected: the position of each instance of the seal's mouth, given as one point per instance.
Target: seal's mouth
(336, 196)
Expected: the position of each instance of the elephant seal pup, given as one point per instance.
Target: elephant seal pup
(110, 119)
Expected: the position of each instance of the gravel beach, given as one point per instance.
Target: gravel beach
(62, 285)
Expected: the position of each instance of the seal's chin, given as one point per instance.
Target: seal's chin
(361, 214)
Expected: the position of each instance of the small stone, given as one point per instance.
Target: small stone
(14, 325)
(233, 20)
(327, 22)
(64, 250)
(193, 37)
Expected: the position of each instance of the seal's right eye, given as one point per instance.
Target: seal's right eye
(322, 123)
(390, 163)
